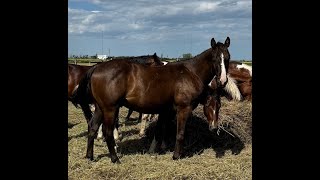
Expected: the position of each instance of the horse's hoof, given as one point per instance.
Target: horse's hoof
(175, 157)
(89, 157)
(115, 160)
(118, 162)
(151, 152)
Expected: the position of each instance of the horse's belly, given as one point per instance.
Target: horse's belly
(146, 105)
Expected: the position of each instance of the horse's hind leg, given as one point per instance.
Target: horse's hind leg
(158, 134)
(109, 121)
(86, 111)
(165, 130)
(129, 114)
(93, 126)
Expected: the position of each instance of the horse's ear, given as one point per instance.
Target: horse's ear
(155, 54)
(227, 42)
(213, 42)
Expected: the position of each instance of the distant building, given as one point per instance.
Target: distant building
(103, 57)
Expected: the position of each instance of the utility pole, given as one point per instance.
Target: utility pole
(102, 44)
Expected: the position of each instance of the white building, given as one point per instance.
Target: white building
(103, 57)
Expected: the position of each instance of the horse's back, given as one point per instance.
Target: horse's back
(237, 72)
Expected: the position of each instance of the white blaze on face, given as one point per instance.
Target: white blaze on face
(223, 77)
(164, 62)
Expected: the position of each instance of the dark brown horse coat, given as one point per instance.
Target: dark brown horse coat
(77, 72)
(171, 90)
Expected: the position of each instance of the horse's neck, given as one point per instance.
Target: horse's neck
(201, 65)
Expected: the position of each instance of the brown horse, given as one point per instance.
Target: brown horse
(75, 74)
(171, 90)
(241, 74)
(246, 90)
(212, 101)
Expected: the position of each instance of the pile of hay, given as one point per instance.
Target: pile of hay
(209, 155)
(235, 130)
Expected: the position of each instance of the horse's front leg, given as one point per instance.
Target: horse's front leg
(183, 113)
(86, 111)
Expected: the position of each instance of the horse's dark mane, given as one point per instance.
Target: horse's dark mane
(234, 62)
(142, 59)
(139, 59)
(201, 54)
(192, 60)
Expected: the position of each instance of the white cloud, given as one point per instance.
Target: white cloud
(206, 7)
(162, 20)
(143, 16)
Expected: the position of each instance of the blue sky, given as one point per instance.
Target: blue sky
(167, 27)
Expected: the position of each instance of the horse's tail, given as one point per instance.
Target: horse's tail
(232, 89)
(82, 95)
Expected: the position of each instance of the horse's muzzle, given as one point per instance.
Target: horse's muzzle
(222, 85)
(212, 127)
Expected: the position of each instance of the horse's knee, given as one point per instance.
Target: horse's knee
(180, 136)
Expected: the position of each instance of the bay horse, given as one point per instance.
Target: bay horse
(171, 90)
(77, 72)
(211, 105)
